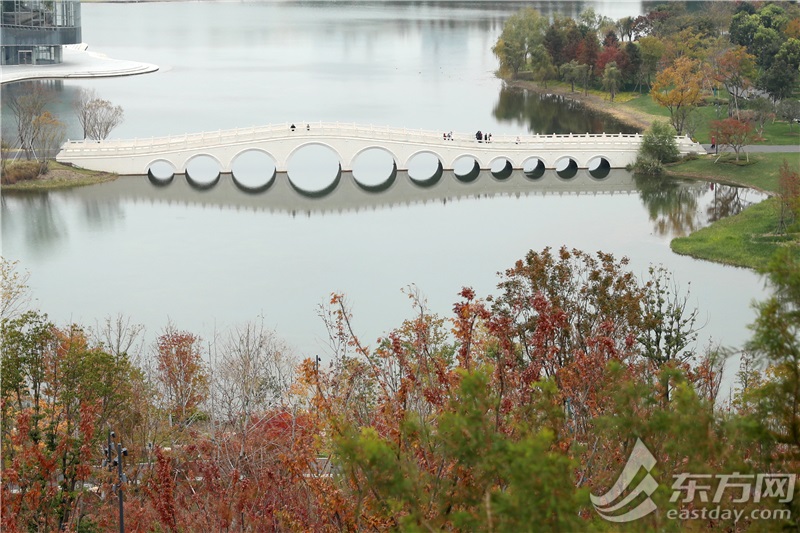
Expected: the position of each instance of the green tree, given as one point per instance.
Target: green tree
(743, 29)
(789, 110)
(779, 80)
(652, 49)
(522, 33)
(760, 110)
(684, 435)
(612, 78)
(775, 418)
(630, 72)
(658, 146)
(542, 66)
(572, 72)
(766, 44)
(561, 39)
(492, 480)
(668, 326)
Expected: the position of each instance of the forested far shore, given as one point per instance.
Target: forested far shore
(739, 59)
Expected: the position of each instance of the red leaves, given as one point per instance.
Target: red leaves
(161, 490)
(733, 133)
(182, 373)
(467, 313)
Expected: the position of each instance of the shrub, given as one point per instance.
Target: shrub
(659, 143)
(20, 171)
(648, 166)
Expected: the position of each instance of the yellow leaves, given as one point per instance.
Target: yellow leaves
(678, 88)
(679, 84)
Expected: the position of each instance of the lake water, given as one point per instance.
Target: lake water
(207, 260)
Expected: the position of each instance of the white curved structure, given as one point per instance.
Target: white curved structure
(279, 142)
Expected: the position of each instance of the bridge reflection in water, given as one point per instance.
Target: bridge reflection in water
(345, 194)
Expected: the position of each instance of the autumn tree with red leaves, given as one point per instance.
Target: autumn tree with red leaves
(733, 133)
(182, 375)
(736, 70)
(57, 391)
(544, 346)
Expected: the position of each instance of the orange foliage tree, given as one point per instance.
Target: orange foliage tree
(57, 390)
(736, 70)
(533, 361)
(182, 374)
(678, 88)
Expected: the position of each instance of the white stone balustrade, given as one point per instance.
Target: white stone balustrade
(135, 156)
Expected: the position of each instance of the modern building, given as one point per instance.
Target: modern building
(32, 32)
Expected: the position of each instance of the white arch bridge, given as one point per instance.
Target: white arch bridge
(278, 142)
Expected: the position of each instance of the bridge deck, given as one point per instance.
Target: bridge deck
(280, 141)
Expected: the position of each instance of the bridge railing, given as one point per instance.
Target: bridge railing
(322, 130)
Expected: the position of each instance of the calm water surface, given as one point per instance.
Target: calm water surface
(209, 260)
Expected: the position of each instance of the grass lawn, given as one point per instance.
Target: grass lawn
(646, 104)
(777, 132)
(761, 172)
(61, 176)
(747, 239)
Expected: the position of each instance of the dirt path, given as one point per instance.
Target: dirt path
(621, 112)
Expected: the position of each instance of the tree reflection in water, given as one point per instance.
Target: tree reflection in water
(728, 201)
(44, 223)
(674, 205)
(550, 113)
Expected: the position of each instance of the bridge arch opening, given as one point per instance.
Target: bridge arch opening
(425, 169)
(203, 171)
(599, 167)
(314, 169)
(566, 168)
(161, 172)
(466, 168)
(374, 169)
(253, 171)
(533, 168)
(501, 168)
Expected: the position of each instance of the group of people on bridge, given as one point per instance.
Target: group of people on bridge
(447, 136)
(480, 136)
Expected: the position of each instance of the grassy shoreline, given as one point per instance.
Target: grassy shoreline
(747, 239)
(61, 177)
(744, 240)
